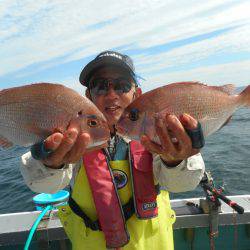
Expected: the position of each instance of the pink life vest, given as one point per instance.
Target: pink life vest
(105, 194)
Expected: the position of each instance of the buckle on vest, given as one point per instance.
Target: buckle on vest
(94, 225)
(157, 189)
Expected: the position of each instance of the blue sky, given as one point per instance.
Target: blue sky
(170, 41)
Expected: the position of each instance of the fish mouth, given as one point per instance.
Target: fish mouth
(120, 130)
(126, 137)
(96, 144)
(129, 138)
(125, 134)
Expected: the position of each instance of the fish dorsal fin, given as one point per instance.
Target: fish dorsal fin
(190, 83)
(5, 143)
(228, 88)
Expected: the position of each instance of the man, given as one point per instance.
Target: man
(113, 201)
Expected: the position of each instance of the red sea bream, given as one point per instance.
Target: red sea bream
(28, 114)
(212, 106)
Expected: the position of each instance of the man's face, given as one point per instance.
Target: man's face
(112, 104)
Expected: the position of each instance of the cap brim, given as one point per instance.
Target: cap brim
(104, 61)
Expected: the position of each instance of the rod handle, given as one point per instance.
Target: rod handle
(237, 208)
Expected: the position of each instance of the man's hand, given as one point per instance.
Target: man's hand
(175, 144)
(67, 147)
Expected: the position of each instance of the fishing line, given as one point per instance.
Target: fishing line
(45, 203)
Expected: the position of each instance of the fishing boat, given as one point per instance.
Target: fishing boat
(210, 222)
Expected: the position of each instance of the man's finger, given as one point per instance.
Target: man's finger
(179, 132)
(163, 134)
(188, 121)
(78, 149)
(151, 146)
(53, 141)
(44, 149)
(194, 131)
(69, 138)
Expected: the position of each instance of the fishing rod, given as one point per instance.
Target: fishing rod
(214, 197)
(215, 194)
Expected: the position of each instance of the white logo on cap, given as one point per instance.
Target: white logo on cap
(112, 54)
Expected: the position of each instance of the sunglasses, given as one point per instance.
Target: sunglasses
(100, 86)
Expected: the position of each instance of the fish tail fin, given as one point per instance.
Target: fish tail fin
(245, 96)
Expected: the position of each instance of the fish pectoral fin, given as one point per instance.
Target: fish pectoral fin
(5, 143)
(207, 118)
(39, 132)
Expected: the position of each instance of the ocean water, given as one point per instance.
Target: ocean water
(226, 155)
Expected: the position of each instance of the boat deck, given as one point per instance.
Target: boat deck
(190, 228)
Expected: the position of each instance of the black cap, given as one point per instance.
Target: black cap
(107, 58)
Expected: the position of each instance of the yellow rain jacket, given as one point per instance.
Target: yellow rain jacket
(153, 233)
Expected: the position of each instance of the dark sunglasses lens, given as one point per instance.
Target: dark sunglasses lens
(99, 86)
(97, 82)
(122, 85)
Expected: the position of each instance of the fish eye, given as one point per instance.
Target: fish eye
(92, 123)
(134, 114)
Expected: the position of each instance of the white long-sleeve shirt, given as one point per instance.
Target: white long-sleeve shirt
(184, 177)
